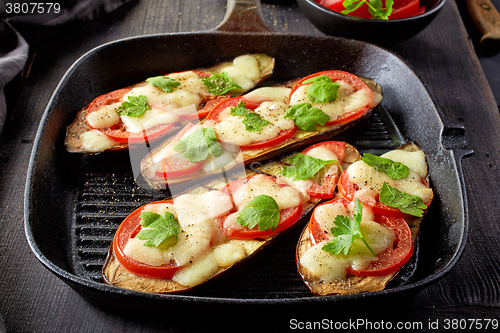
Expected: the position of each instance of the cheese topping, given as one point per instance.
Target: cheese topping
(347, 100)
(414, 160)
(231, 128)
(202, 246)
(94, 141)
(285, 196)
(325, 266)
(370, 181)
(274, 94)
(244, 71)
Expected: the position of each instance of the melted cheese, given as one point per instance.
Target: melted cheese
(202, 248)
(274, 94)
(414, 160)
(347, 100)
(244, 71)
(94, 141)
(285, 197)
(231, 128)
(104, 117)
(370, 182)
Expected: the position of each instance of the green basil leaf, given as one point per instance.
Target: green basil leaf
(197, 146)
(219, 84)
(162, 231)
(322, 89)
(263, 211)
(407, 203)
(303, 166)
(164, 83)
(306, 117)
(393, 169)
(136, 106)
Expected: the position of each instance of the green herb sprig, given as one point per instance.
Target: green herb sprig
(345, 231)
(306, 117)
(253, 122)
(136, 106)
(263, 211)
(393, 169)
(303, 167)
(164, 83)
(406, 203)
(162, 231)
(322, 89)
(197, 146)
(375, 7)
(220, 83)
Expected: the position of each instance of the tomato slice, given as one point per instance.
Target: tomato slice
(233, 102)
(406, 8)
(349, 78)
(288, 216)
(389, 261)
(348, 190)
(128, 229)
(316, 233)
(168, 169)
(327, 187)
(392, 259)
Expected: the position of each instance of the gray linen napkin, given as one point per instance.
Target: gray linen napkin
(13, 47)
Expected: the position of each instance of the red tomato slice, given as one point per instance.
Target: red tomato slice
(389, 261)
(167, 169)
(118, 132)
(233, 102)
(128, 229)
(348, 189)
(405, 8)
(349, 78)
(327, 187)
(316, 233)
(392, 259)
(288, 216)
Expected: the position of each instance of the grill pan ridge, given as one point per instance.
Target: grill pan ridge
(84, 212)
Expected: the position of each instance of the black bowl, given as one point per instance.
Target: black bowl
(385, 32)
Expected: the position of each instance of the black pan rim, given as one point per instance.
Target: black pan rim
(69, 278)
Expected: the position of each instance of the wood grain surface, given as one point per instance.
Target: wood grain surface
(34, 300)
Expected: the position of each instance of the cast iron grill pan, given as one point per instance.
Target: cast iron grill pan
(70, 220)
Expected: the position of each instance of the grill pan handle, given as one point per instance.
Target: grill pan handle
(244, 16)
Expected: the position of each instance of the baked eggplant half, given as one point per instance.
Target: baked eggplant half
(150, 109)
(359, 241)
(263, 124)
(174, 245)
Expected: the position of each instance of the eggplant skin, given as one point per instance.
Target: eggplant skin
(72, 139)
(351, 284)
(300, 140)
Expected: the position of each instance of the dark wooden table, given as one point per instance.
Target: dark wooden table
(33, 300)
